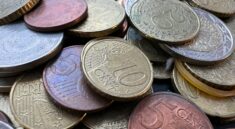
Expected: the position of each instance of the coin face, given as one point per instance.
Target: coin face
(116, 69)
(167, 110)
(214, 106)
(11, 10)
(7, 83)
(104, 17)
(22, 49)
(168, 21)
(54, 15)
(160, 72)
(65, 83)
(213, 44)
(33, 109)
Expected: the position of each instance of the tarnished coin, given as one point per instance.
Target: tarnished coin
(7, 83)
(4, 125)
(65, 83)
(33, 109)
(214, 106)
(104, 18)
(23, 49)
(168, 21)
(54, 15)
(154, 53)
(213, 44)
(165, 110)
(116, 69)
(11, 10)
(160, 71)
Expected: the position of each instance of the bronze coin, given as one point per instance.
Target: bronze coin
(65, 83)
(55, 15)
(165, 110)
(4, 118)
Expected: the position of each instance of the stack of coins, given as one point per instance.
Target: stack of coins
(95, 64)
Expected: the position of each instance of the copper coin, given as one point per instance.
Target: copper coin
(165, 110)
(54, 15)
(64, 81)
(4, 118)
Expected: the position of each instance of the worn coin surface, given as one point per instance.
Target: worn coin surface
(11, 10)
(214, 106)
(65, 83)
(54, 15)
(213, 44)
(116, 69)
(32, 107)
(23, 49)
(104, 18)
(160, 71)
(168, 21)
(7, 83)
(165, 110)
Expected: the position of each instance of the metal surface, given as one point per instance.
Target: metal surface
(160, 71)
(7, 83)
(4, 125)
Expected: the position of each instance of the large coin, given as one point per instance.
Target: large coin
(32, 107)
(165, 110)
(117, 69)
(7, 83)
(214, 106)
(104, 17)
(54, 15)
(169, 21)
(11, 10)
(213, 44)
(23, 49)
(65, 83)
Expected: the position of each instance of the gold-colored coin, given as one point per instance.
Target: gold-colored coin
(11, 10)
(160, 71)
(7, 83)
(104, 17)
(214, 106)
(169, 21)
(33, 109)
(116, 69)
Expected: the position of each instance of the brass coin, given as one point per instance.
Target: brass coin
(214, 106)
(104, 18)
(169, 21)
(116, 69)
(160, 72)
(32, 107)
(153, 52)
(11, 10)
(7, 83)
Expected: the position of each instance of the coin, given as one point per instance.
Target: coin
(4, 125)
(213, 44)
(65, 83)
(104, 18)
(33, 109)
(11, 10)
(160, 72)
(23, 49)
(214, 106)
(7, 83)
(167, 110)
(168, 21)
(123, 29)
(54, 15)
(154, 53)
(116, 69)
(128, 5)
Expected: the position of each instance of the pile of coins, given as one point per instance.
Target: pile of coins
(96, 64)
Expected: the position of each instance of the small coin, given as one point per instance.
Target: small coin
(23, 49)
(160, 72)
(4, 125)
(33, 109)
(116, 69)
(104, 18)
(167, 110)
(213, 44)
(11, 10)
(65, 83)
(168, 21)
(214, 106)
(54, 15)
(7, 83)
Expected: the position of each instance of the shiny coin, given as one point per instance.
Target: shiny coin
(169, 21)
(165, 110)
(23, 49)
(214, 106)
(66, 84)
(54, 15)
(30, 106)
(116, 69)
(213, 44)
(4, 125)
(160, 71)
(7, 83)
(104, 18)
(11, 10)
